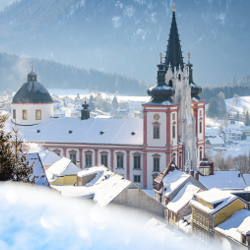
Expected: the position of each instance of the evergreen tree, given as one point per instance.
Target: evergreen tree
(91, 103)
(212, 108)
(13, 163)
(247, 119)
(221, 106)
(114, 103)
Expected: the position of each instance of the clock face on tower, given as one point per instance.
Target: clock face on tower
(156, 117)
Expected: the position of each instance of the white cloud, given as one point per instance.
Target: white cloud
(221, 17)
(141, 33)
(117, 21)
(129, 11)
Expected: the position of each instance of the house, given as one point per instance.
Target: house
(212, 207)
(215, 142)
(172, 127)
(178, 208)
(223, 179)
(38, 170)
(236, 229)
(170, 182)
(245, 130)
(106, 187)
(231, 135)
(63, 172)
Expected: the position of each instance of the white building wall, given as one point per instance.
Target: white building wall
(150, 129)
(118, 170)
(46, 112)
(150, 166)
(136, 171)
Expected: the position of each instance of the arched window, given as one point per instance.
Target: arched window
(179, 77)
(170, 83)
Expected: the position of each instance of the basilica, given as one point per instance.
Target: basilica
(172, 128)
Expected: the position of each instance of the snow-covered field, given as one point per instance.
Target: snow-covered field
(35, 218)
(72, 93)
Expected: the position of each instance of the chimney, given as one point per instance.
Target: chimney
(212, 168)
(192, 172)
(197, 176)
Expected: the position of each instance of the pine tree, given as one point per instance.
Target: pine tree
(247, 119)
(114, 103)
(13, 163)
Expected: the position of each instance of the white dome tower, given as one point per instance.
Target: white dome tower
(32, 103)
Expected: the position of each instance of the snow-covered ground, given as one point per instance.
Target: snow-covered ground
(35, 218)
(72, 93)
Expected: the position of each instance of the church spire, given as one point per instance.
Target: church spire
(174, 53)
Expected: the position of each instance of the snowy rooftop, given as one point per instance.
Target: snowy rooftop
(63, 167)
(216, 140)
(38, 170)
(213, 196)
(92, 130)
(212, 131)
(173, 180)
(47, 157)
(237, 224)
(183, 197)
(103, 188)
(223, 179)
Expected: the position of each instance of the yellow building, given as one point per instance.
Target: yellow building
(211, 208)
(63, 172)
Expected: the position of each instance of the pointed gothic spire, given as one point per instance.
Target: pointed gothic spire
(174, 53)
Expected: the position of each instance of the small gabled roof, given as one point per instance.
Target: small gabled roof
(63, 167)
(183, 197)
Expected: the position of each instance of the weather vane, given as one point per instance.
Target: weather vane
(161, 57)
(173, 6)
(189, 56)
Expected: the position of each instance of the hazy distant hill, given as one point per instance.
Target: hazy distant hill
(14, 70)
(126, 36)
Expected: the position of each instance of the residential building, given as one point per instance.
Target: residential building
(211, 208)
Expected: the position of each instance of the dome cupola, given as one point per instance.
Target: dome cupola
(161, 92)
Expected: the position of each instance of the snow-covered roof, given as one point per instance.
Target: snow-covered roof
(183, 197)
(47, 157)
(247, 179)
(212, 131)
(75, 130)
(223, 179)
(63, 167)
(213, 196)
(105, 187)
(173, 180)
(237, 224)
(38, 171)
(216, 140)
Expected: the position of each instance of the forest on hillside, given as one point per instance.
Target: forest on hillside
(14, 70)
(240, 87)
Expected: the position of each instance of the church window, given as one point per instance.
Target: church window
(173, 131)
(179, 77)
(24, 114)
(137, 161)
(137, 178)
(180, 162)
(38, 114)
(104, 159)
(200, 126)
(156, 131)
(119, 160)
(88, 159)
(72, 156)
(156, 162)
(14, 114)
(170, 83)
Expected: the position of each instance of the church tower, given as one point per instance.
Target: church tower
(172, 117)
